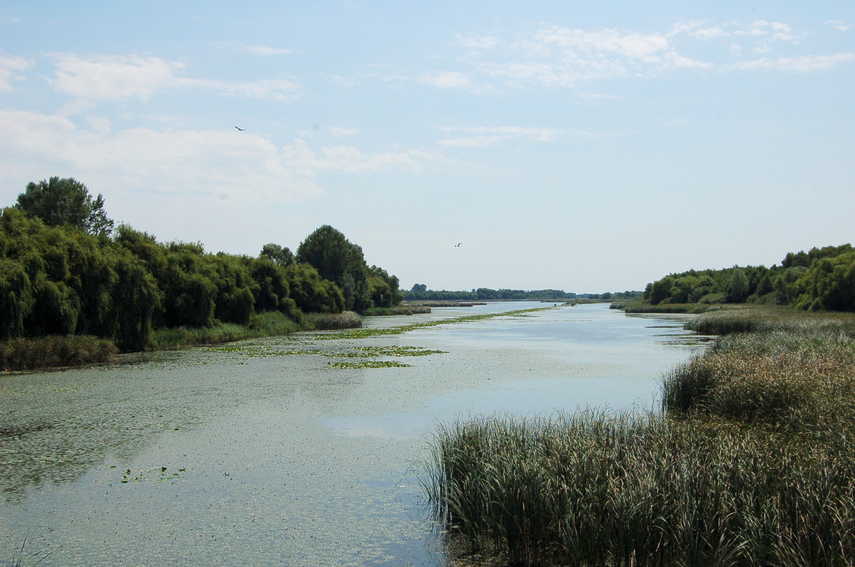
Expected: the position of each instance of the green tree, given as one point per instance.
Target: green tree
(279, 254)
(61, 202)
(737, 288)
(340, 261)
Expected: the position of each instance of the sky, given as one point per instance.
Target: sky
(576, 145)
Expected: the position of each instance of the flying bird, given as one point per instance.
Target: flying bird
(239, 129)
(458, 245)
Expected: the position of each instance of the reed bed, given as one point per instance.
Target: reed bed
(750, 463)
(756, 318)
(590, 489)
(267, 324)
(797, 379)
(55, 351)
(641, 307)
(332, 321)
(402, 309)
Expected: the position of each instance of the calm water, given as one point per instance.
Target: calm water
(247, 456)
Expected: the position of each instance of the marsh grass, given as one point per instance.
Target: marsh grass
(55, 351)
(398, 310)
(793, 379)
(759, 318)
(641, 307)
(590, 489)
(332, 321)
(751, 463)
(272, 323)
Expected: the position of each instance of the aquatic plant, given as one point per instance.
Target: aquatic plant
(369, 364)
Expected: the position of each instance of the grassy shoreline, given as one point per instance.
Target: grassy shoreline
(749, 463)
(57, 352)
(74, 351)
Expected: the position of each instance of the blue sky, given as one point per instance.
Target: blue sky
(574, 145)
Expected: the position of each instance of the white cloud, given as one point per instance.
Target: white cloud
(486, 136)
(340, 132)
(353, 160)
(217, 163)
(112, 77)
(264, 50)
(802, 64)
(558, 56)
(478, 41)
(9, 68)
(760, 29)
(446, 80)
(839, 25)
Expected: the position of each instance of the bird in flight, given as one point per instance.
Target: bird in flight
(458, 245)
(239, 129)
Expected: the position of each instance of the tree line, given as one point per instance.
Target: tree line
(421, 292)
(819, 279)
(65, 270)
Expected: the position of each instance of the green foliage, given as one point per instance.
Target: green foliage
(821, 279)
(278, 254)
(340, 261)
(829, 284)
(61, 274)
(61, 202)
(311, 292)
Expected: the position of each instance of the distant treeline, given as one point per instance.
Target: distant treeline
(822, 278)
(421, 292)
(65, 271)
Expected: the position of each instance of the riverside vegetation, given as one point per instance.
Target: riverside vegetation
(751, 461)
(65, 273)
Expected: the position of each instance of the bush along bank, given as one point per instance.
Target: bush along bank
(126, 288)
(750, 463)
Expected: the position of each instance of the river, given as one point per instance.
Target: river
(249, 454)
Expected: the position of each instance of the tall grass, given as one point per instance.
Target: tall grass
(590, 489)
(403, 309)
(792, 379)
(332, 321)
(755, 318)
(751, 463)
(266, 324)
(641, 307)
(54, 351)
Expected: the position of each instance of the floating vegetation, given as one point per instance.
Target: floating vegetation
(263, 351)
(365, 333)
(369, 364)
(394, 350)
(158, 473)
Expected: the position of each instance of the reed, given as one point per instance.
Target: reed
(589, 489)
(270, 323)
(795, 379)
(641, 307)
(757, 318)
(397, 310)
(332, 321)
(55, 351)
